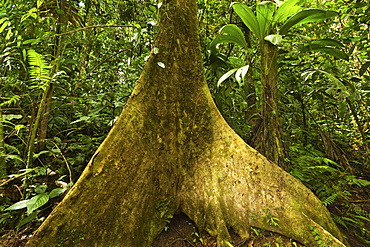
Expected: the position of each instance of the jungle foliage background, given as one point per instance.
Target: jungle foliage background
(68, 67)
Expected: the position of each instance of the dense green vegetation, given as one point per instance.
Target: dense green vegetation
(68, 67)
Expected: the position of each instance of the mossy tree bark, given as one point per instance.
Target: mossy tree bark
(267, 136)
(171, 151)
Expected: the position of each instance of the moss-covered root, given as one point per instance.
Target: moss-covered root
(233, 186)
(322, 236)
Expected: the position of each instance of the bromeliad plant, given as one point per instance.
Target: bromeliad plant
(268, 25)
(264, 25)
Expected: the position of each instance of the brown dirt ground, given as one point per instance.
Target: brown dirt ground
(181, 232)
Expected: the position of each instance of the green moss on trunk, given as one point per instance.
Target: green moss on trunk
(171, 151)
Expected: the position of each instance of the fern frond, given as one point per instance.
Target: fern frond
(362, 217)
(13, 100)
(361, 182)
(358, 210)
(339, 220)
(353, 221)
(330, 199)
(39, 69)
(11, 149)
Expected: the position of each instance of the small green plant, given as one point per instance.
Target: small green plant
(39, 199)
(272, 220)
(162, 206)
(167, 222)
(265, 214)
(75, 238)
(257, 232)
(196, 234)
(320, 242)
(293, 243)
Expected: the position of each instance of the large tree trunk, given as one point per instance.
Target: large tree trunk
(171, 151)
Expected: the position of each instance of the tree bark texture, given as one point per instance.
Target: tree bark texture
(267, 136)
(171, 151)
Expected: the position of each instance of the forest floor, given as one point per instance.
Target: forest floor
(182, 232)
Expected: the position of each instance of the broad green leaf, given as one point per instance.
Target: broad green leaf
(4, 26)
(36, 202)
(336, 81)
(305, 16)
(225, 76)
(222, 39)
(83, 118)
(231, 34)
(342, 109)
(265, 11)
(41, 189)
(336, 53)
(248, 18)
(274, 38)
(327, 42)
(33, 41)
(240, 73)
(152, 8)
(56, 192)
(28, 219)
(288, 8)
(236, 33)
(12, 116)
(364, 68)
(18, 205)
